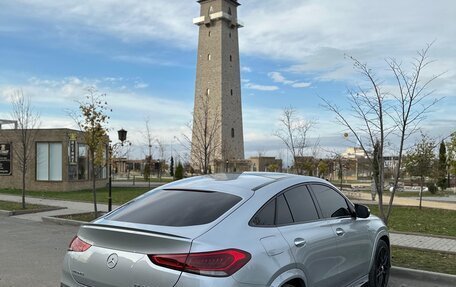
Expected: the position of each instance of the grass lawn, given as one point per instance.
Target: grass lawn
(424, 260)
(427, 220)
(120, 195)
(13, 206)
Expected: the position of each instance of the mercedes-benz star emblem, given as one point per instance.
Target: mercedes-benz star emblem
(112, 260)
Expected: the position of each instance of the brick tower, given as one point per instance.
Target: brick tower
(217, 135)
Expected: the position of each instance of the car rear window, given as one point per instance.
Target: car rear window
(176, 208)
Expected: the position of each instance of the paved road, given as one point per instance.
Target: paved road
(401, 282)
(31, 254)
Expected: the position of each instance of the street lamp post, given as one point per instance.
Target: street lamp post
(122, 135)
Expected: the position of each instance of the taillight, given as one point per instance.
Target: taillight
(215, 263)
(78, 245)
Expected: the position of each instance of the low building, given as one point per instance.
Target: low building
(58, 161)
(266, 163)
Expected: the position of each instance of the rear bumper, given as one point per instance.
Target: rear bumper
(194, 280)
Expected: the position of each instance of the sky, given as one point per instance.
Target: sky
(142, 55)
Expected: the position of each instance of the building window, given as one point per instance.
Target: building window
(83, 162)
(229, 34)
(231, 91)
(49, 161)
(211, 9)
(232, 132)
(209, 34)
(231, 58)
(209, 57)
(229, 10)
(208, 92)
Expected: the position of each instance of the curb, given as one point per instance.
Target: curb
(415, 274)
(62, 221)
(6, 213)
(425, 249)
(29, 211)
(423, 234)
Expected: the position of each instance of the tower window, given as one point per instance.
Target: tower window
(211, 9)
(208, 92)
(231, 58)
(209, 57)
(231, 91)
(229, 10)
(232, 132)
(209, 34)
(229, 34)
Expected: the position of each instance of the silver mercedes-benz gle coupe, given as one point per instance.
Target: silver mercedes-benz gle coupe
(233, 230)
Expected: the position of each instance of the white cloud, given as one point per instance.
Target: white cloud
(141, 85)
(54, 98)
(279, 78)
(246, 69)
(257, 87)
(129, 20)
(301, 85)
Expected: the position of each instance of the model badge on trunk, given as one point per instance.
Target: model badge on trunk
(112, 260)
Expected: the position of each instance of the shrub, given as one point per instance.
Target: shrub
(432, 188)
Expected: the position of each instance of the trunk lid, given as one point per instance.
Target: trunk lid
(118, 257)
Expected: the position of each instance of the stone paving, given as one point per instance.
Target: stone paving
(424, 242)
(397, 239)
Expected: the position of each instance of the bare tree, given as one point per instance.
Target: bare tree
(293, 132)
(92, 119)
(27, 123)
(377, 114)
(204, 142)
(149, 138)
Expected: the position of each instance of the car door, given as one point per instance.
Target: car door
(354, 248)
(312, 241)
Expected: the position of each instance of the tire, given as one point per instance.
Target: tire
(380, 270)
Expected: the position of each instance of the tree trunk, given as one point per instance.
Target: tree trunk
(23, 186)
(94, 190)
(421, 190)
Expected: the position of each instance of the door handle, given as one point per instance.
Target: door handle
(340, 232)
(300, 242)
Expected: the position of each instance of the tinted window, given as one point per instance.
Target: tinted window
(301, 204)
(266, 215)
(176, 208)
(283, 211)
(331, 202)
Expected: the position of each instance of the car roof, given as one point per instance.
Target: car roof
(230, 182)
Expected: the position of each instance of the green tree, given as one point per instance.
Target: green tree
(419, 160)
(147, 171)
(179, 174)
(171, 167)
(441, 170)
(451, 157)
(322, 168)
(92, 119)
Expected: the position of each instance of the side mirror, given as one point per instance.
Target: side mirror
(362, 211)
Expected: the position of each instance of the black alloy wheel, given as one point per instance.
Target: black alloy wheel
(380, 271)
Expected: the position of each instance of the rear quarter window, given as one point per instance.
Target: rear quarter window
(176, 208)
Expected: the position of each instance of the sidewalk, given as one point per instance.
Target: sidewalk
(407, 201)
(397, 239)
(71, 206)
